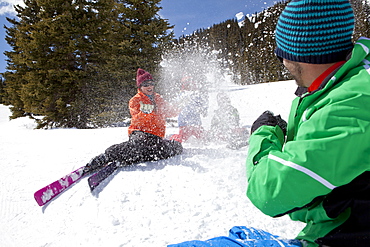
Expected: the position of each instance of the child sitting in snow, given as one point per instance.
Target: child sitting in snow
(225, 124)
(194, 104)
(147, 129)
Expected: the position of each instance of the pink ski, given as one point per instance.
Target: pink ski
(50, 191)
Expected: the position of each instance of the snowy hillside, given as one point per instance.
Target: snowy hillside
(197, 195)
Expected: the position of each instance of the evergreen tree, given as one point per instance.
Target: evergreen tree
(2, 85)
(226, 38)
(362, 15)
(138, 40)
(17, 67)
(74, 61)
(48, 62)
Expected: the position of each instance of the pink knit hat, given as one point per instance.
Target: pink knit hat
(141, 76)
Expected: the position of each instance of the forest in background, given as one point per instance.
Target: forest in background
(245, 49)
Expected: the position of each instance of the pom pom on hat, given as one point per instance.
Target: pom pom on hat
(315, 31)
(141, 76)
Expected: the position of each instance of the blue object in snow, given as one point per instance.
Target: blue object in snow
(241, 236)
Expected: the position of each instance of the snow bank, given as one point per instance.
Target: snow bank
(197, 195)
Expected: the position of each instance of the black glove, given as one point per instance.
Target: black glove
(268, 118)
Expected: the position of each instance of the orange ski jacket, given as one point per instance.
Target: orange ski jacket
(150, 116)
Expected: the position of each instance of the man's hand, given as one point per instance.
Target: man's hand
(146, 108)
(268, 118)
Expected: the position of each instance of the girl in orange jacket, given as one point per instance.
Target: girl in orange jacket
(147, 129)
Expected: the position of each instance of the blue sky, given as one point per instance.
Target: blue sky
(186, 15)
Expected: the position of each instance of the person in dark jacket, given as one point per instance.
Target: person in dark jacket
(147, 129)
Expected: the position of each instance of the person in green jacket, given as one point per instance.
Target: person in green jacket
(316, 168)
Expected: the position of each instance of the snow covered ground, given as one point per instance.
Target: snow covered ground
(197, 195)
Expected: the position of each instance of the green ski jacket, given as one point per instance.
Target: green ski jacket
(319, 172)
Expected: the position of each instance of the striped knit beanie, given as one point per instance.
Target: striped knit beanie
(315, 31)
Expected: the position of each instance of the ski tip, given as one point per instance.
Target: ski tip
(96, 179)
(46, 194)
(39, 202)
(92, 183)
(43, 196)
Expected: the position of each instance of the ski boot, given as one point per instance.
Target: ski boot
(96, 163)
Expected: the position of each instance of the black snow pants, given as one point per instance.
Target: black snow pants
(142, 147)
